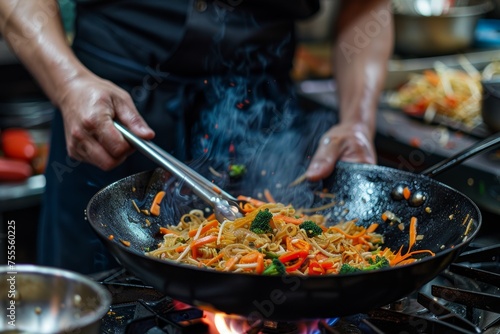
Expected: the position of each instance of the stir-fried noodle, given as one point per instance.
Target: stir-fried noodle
(292, 243)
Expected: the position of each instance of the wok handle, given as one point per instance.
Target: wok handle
(463, 155)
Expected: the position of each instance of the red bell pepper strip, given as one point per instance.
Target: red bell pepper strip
(315, 268)
(298, 256)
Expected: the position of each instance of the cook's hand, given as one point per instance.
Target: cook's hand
(341, 142)
(89, 105)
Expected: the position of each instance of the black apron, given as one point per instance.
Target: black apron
(210, 79)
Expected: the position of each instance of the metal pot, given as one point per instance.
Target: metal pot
(491, 104)
(423, 28)
(49, 300)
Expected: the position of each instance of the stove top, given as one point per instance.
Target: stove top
(465, 298)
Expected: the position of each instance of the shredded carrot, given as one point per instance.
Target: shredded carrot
(231, 263)
(268, 196)
(406, 193)
(384, 216)
(361, 241)
(111, 237)
(204, 229)
(399, 258)
(287, 219)
(372, 228)
(413, 231)
(180, 249)
(250, 257)
(254, 257)
(247, 207)
(253, 201)
(214, 259)
(164, 230)
(216, 189)
(200, 242)
(260, 264)
(297, 244)
(155, 206)
(125, 242)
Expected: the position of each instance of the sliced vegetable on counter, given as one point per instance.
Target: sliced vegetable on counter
(13, 170)
(18, 143)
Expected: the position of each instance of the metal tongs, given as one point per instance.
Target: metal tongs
(224, 205)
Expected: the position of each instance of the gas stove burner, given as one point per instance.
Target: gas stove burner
(240, 325)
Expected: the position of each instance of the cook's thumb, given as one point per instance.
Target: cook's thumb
(132, 120)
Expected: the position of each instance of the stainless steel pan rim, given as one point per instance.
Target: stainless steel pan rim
(85, 320)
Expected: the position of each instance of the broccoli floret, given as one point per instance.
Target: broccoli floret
(261, 223)
(377, 263)
(348, 269)
(311, 228)
(268, 255)
(236, 171)
(275, 268)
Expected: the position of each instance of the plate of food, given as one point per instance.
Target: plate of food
(444, 95)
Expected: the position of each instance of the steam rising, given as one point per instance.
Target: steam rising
(257, 122)
(249, 114)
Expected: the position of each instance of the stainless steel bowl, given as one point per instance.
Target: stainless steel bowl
(49, 300)
(436, 27)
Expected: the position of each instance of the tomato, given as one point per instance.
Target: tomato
(14, 170)
(18, 144)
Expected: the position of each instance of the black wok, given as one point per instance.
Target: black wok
(448, 221)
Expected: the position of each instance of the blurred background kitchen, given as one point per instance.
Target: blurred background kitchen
(442, 94)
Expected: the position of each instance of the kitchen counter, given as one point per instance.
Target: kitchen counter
(410, 144)
(15, 196)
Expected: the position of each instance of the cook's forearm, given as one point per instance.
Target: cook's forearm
(34, 31)
(362, 49)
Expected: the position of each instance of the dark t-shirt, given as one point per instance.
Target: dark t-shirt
(195, 36)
